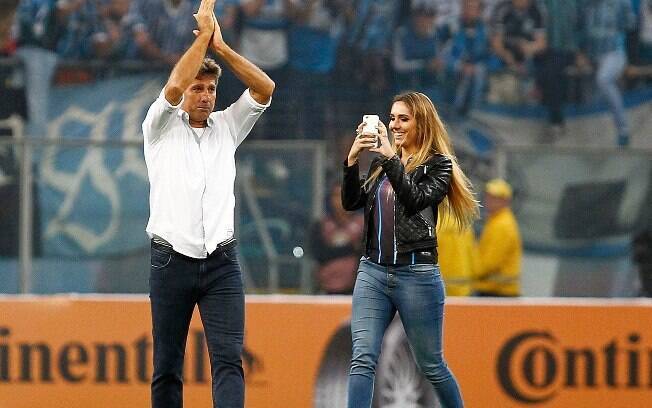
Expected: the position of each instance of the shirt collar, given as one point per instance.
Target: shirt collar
(186, 118)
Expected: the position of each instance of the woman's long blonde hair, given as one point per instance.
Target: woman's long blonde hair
(432, 138)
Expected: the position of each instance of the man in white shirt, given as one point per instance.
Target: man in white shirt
(189, 152)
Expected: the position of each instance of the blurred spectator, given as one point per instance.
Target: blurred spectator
(500, 247)
(363, 72)
(519, 33)
(644, 45)
(467, 57)
(7, 13)
(562, 32)
(604, 25)
(40, 25)
(489, 8)
(642, 249)
(13, 95)
(370, 34)
(263, 40)
(335, 245)
(264, 32)
(313, 40)
(114, 38)
(226, 12)
(163, 29)
(518, 39)
(448, 11)
(416, 55)
(458, 258)
(79, 20)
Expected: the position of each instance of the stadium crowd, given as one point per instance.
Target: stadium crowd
(335, 58)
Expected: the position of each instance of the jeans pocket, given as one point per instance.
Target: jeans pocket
(423, 269)
(160, 259)
(231, 255)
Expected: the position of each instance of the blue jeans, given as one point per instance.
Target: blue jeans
(417, 293)
(40, 65)
(610, 68)
(177, 283)
(470, 90)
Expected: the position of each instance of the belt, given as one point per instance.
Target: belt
(164, 246)
(410, 258)
(224, 246)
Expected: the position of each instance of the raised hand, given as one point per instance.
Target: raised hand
(217, 41)
(361, 142)
(205, 18)
(385, 146)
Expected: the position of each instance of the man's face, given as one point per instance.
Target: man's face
(199, 98)
(424, 23)
(119, 8)
(521, 4)
(472, 10)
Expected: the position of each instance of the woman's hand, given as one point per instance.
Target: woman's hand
(361, 142)
(385, 146)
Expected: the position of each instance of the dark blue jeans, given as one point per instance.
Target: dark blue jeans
(417, 293)
(177, 283)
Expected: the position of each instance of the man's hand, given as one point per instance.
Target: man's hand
(205, 18)
(217, 42)
(185, 71)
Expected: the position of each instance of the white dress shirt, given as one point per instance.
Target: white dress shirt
(192, 173)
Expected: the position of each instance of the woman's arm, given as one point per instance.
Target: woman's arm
(429, 191)
(353, 195)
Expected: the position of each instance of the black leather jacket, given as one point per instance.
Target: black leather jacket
(417, 196)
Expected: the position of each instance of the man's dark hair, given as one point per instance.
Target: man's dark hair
(210, 68)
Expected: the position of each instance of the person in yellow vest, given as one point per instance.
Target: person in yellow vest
(500, 248)
(458, 260)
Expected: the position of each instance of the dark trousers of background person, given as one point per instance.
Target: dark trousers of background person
(311, 95)
(362, 85)
(177, 283)
(553, 82)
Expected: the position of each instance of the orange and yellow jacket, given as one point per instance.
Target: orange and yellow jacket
(458, 258)
(500, 250)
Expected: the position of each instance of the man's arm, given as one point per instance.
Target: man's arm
(260, 85)
(188, 66)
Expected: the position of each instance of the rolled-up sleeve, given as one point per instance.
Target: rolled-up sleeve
(158, 116)
(242, 115)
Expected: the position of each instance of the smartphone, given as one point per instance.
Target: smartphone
(371, 126)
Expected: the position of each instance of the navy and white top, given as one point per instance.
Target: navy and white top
(382, 247)
(383, 243)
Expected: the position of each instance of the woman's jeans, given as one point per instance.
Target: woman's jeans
(417, 293)
(177, 283)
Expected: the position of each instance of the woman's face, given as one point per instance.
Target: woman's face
(403, 127)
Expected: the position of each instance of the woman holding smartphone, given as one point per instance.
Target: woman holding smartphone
(414, 175)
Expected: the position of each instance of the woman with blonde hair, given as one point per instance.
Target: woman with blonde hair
(415, 175)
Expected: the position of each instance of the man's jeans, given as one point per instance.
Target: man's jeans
(177, 283)
(417, 293)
